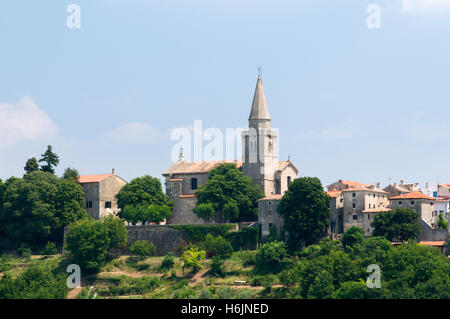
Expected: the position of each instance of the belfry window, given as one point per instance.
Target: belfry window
(288, 181)
(193, 183)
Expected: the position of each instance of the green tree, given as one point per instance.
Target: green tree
(270, 256)
(191, 259)
(353, 236)
(117, 232)
(142, 249)
(71, 173)
(50, 160)
(401, 224)
(31, 165)
(305, 211)
(205, 211)
(322, 286)
(88, 243)
(145, 191)
(156, 213)
(442, 223)
(227, 185)
(38, 206)
(218, 247)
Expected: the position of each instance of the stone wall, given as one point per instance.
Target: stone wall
(429, 234)
(165, 238)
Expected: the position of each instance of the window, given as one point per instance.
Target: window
(431, 203)
(89, 204)
(400, 203)
(353, 205)
(288, 181)
(341, 200)
(355, 217)
(374, 195)
(353, 194)
(193, 183)
(368, 216)
(269, 212)
(108, 204)
(369, 206)
(412, 202)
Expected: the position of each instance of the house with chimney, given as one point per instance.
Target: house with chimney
(100, 193)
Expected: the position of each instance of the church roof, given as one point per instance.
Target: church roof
(183, 167)
(259, 111)
(282, 165)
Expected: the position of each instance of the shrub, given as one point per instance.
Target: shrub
(217, 247)
(142, 248)
(117, 232)
(270, 256)
(49, 249)
(224, 293)
(217, 267)
(168, 262)
(24, 251)
(191, 258)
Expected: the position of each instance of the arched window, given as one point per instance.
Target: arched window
(193, 183)
(288, 181)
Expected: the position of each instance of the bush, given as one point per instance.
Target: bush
(168, 262)
(191, 258)
(246, 238)
(217, 247)
(88, 243)
(267, 281)
(142, 249)
(117, 232)
(49, 249)
(217, 267)
(270, 256)
(24, 251)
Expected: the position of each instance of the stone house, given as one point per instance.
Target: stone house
(337, 212)
(400, 189)
(268, 216)
(419, 202)
(100, 193)
(443, 190)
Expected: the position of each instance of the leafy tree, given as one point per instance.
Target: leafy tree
(31, 165)
(353, 236)
(270, 256)
(36, 282)
(218, 247)
(88, 243)
(442, 223)
(49, 249)
(71, 173)
(353, 290)
(401, 224)
(191, 258)
(156, 213)
(142, 248)
(168, 262)
(132, 214)
(228, 188)
(50, 160)
(117, 232)
(38, 206)
(305, 211)
(205, 211)
(217, 267)
(145, 191)
(322, 286)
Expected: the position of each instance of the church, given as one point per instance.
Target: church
(259, 161)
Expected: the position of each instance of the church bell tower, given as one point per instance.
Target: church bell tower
(260, 144)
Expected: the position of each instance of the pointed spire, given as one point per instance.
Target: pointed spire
(259, 111)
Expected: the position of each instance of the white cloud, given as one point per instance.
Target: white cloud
(425, 5)
(24, 121)
(134, 133)
(347, 130)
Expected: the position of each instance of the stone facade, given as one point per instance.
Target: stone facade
(337, 212)
(268, 216)
(444, 190)
(419, 202)
(100, 193)
(401, 189)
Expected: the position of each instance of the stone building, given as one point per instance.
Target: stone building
(442, 207)
(100, 193)
(268, 217)
(259, 161)
(419, 202)
(443, 190)
(400, 189)
(355, 204)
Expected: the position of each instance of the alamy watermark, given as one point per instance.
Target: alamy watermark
(374, 279)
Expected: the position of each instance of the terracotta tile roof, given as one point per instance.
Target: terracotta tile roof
(283, 164)
(334, 193)
(413, 195)
(183, 167)
(187, 196)
(176, 180)
(92, 178)
(433, 243)
(377, 210)
(363, 188)
(272, 197)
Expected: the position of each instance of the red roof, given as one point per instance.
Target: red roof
(187, 196)
(272, 197)
(92, 178)
(334, 193)
(413, 195)
(433, 243)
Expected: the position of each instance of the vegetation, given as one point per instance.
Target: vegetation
(217, 247)
(31, 165)
(231, 193)
(205, 212)
(50, 160)
(71, 173)
(305, 212)
(142, 249)
(37, 207)
(401, 224)
(442, 223)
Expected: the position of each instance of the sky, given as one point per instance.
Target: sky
(350, 102)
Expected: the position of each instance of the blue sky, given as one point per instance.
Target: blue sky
(350, 102)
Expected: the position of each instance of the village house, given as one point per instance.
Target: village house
(420, 203)
(400, 189)
(100, 193)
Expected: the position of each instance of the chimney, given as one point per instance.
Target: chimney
(395, 184)
(402, 181)
(114, 171)
(378, 184)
